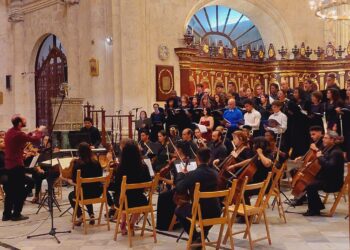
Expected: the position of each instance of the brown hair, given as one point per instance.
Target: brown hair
(241, 136)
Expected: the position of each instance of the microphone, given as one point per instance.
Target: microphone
(118, 111)
(137, 108)
(64, 89)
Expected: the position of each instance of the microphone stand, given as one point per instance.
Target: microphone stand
(50, 183)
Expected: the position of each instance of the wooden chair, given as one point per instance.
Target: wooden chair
(80, 201)
(197, 219)
(342, 193)
(250, 211)
(124, 208)
(275, 192)
(2, 193)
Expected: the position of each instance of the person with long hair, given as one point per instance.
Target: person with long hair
(165, 152)
(208, 121)
(143, 123)
(333, 102)
(89, 168)
(132, 167)
(265, 111)
(345, 113)
(316, 110)
(205, 102)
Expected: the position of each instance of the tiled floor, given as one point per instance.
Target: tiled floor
(301, 233)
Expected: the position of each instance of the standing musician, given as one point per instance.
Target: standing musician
(330, 178)
(217, 148)
(93, 132)
(89, 168)
(186, 181)
(15, 141)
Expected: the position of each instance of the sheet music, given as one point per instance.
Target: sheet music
(148, 163)
(64, 162)
(192, 165)
(34, 161)
(201, 127)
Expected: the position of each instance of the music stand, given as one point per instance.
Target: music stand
(50, 191)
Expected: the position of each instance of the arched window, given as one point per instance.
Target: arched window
(215, 23)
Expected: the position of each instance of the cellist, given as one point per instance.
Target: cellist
(330, 178)
(316, 135)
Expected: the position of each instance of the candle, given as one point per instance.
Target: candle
(200, 40)
(216, 42)
(209, 40)
(192, 30)
(194, 40)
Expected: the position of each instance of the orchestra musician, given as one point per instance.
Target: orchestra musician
(165, 205)
(15, 141)
(331, 176)
(132, 167)
(271, 137)
(165, 152)
(174, 133)
(89, 168)
(316, 135)
(218, 150)
(198, 139)
(189, 143)
(93, 132)
(186, 181)
(147, 147)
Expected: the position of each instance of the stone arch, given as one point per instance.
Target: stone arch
(269, 21)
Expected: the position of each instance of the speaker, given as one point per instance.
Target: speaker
(8, 82)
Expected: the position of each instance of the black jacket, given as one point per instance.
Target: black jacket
(207, 177)
(218, 151)
(332, 170)
(94, 135)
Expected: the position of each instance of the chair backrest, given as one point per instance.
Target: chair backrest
(227, 194)
(261, 186)
(105, 180)
(276, 178)
(150, 185)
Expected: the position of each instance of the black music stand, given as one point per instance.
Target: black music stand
(50, 182)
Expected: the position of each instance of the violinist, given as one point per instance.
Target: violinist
(174, 133)
(331, 176)
(147, 147)
(93, 132)
(198, 139)
(270, 136)
(189, 143)
(89, 168)
(217, 148)
(165, 204)
(165, 152)
(186, 181)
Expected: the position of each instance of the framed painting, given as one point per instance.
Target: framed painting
(164, 81)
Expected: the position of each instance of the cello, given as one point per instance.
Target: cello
(307, 175)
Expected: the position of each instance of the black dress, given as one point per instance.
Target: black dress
(316, 114)
(135, 197)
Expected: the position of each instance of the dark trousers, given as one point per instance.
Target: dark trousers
(29, 184)
(15, 192)
(165, 209)
(315, 203)
(87, 195)
(186, 211)
(38, 180)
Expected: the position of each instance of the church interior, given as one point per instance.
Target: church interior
(188, 124)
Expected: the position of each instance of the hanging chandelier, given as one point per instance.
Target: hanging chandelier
(331, 9)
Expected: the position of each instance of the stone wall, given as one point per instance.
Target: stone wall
(138, 27)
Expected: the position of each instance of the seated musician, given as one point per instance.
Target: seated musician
(262, 161)
(165, 152)
(270, 136)
(147, 147)
(331, 175)
(186, 181)
(189, 143)
(165, 204)
(174, 133)
(232, 116)
(316, 135)
(89, 168)
(217, 148)
(132, 167)
(199, 139)
(92, 131)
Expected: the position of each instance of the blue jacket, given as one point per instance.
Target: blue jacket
(233, 116)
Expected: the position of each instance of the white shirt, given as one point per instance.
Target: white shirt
(252, 119)
(281, 119)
